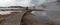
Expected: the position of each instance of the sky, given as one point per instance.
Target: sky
(20, 2)
(6, 2)
(13, 2)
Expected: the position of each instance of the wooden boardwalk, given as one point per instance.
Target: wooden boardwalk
(12, 19)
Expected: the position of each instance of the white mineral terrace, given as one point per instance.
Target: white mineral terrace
(7, 12)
